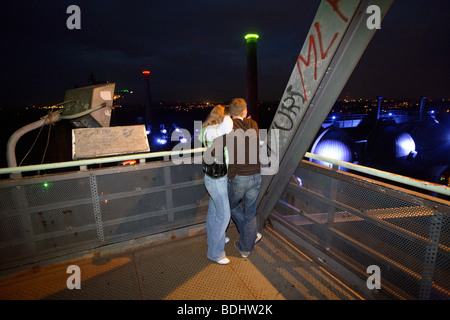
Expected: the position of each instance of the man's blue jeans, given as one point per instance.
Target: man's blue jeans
(245, 188)
(218, 216)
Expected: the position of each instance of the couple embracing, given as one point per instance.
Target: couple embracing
(232, 174)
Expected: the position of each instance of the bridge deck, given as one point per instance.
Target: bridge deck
(178, 269)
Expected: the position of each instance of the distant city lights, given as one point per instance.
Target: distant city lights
(161, 141)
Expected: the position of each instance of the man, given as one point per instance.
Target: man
(244, 175)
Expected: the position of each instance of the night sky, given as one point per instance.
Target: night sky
(196, 49)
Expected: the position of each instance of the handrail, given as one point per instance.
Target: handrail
(86, 162)
(429, 186)
(374, 172)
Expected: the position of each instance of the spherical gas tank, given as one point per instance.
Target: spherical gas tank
(389, 145)
(444, 119)
(433, 141)
(336, 144)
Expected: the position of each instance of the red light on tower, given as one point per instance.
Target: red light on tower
(146, 72)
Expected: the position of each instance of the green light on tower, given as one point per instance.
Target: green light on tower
(251, 36)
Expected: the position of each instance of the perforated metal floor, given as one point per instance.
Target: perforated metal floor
(179, 270)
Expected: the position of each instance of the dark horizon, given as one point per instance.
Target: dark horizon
(197, 51)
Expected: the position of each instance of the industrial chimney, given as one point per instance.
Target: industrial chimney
(251, 92)
(148, 99)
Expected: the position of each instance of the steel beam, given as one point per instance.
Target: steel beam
(336, 41)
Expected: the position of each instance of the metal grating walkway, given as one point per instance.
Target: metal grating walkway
(178, 269)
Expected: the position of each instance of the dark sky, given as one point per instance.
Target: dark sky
(196, 50)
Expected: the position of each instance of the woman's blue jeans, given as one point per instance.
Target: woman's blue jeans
(218, 216)
(245, 188)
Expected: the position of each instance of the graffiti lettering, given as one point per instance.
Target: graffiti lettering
(334, 4)
(291, 123)
(323, 55)
(289, 107)
(291, 104)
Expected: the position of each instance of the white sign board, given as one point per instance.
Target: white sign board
(108, 141)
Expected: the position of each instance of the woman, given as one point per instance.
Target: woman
(217, 124)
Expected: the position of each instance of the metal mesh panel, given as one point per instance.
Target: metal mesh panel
(131, 229)
(132, 206)
(132, 181)
(185, 195)
(361, 223)
(65, 241)
(48, 216)
(178, 173)
(445, 236)
(12, 227)
(441, 271)
(41, 192)
(14, 252)
(61, 219)
(365, 199)
(192, 216)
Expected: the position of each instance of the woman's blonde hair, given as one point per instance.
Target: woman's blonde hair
(216, 116)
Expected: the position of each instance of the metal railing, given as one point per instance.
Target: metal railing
(361, 222)
(82, 164)
(356, 220)
(420, 184)
(47, 216)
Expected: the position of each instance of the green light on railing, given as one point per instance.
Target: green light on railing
(45, 185)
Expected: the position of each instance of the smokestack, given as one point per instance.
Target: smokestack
(379, 107)
(148, 99)
(251, 92)
(421, 108)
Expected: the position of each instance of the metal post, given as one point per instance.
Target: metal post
(430, 256)
(379, 108)
(96, 207)
(421, 108)
(331, 209)
(169, 194)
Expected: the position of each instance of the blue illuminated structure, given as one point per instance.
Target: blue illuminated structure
(336, 144)
(391, 148)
